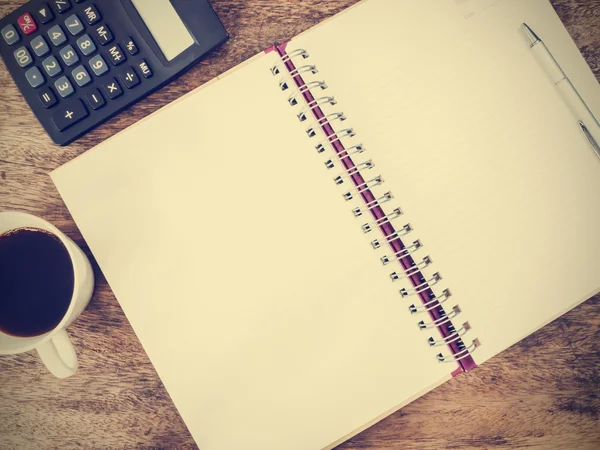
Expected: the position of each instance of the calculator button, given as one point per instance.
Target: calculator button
(86, 45)
(62, 5)
(10, 35)
(69, 115)
(103, 34)
(130, 78)
(51, 66)
(44, 14)
(145, 69)
(64, 87)
(112, 88)
(98, 65)
(47, 97)
(79, 1)
(39, 46)
(34, 77)
(56, 35)
(92, 15)
(23, 56)
(95, 99)
(68, 55)
(81, 76)
(74, 25)
(27, 24)
(116, 55)
(130, 46)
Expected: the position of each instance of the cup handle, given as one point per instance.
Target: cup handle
(58, 354)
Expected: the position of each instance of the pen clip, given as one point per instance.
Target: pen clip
(589, 137)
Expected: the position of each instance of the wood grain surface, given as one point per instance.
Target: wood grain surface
(542, 393)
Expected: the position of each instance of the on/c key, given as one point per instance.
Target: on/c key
(26, 23)
(69, 114)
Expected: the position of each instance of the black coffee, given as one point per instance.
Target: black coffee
(36, 282)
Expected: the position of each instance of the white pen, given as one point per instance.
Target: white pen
(570, 95)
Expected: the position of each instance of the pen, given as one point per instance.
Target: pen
(590, 138)
(570, 95)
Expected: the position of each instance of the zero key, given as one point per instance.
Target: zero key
(70, 114)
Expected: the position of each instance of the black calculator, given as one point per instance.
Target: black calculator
(80, 62)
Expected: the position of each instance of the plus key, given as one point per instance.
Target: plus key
(69, 115)
(27, 24)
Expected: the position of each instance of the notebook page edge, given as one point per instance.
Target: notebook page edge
(389, 413)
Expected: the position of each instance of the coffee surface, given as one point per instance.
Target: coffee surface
(36, 282)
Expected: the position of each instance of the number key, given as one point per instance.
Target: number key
(116, 55)
(23, 56)
(81, 76)
(39, 46)
(64, 87)
(103, 34)
(68, 55)
(56, 35)
(10, 35)
(86, 45)
(92, 15)
(98, 65)
(62, 5)
(51, 66)
(74, 25)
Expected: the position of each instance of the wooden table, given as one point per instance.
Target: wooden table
(541, 393)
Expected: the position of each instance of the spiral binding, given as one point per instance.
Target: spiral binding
(336, 141)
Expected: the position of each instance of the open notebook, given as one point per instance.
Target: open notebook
(344, 222)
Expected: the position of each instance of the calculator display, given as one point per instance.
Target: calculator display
(167, 29)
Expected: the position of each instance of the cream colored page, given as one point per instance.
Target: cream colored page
(243, 272)
(479, 149)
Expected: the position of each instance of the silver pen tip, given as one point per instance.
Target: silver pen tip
(531, 36)
(589, 137)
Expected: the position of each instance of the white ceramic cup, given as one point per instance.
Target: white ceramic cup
(54, 347)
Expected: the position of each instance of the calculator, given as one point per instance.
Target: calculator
(80, 62)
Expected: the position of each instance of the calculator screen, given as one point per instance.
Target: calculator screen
(168, 30)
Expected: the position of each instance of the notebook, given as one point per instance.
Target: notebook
(346, 221)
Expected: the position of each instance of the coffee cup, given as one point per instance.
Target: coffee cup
(45, 284)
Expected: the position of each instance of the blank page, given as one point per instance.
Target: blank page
(478, 148)
(244, 273)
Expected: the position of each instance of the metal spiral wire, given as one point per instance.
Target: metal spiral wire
(337, 144)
